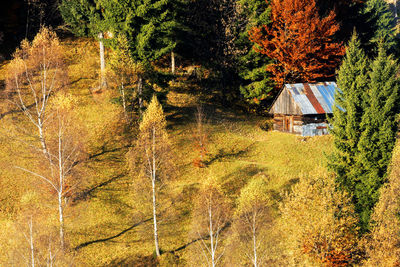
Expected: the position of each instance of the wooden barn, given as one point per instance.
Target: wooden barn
(302, 108)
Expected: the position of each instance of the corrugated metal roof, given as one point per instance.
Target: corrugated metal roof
(315, 98)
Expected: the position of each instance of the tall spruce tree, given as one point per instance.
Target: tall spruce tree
(256, 84)
(380, 25)
(379, 126)
(150, 26)
(352, 80)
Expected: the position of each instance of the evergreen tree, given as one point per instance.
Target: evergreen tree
(256, 84)
(85, 18)
(352, 80)
(379, 127)
(380, 25)
(82, 16)
(212, 42)
(348, 15)
(150, 26)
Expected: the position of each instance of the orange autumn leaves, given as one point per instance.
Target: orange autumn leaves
(299, 42)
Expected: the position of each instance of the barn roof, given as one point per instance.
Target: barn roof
(317, 98)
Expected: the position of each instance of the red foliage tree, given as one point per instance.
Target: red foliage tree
(299, 41)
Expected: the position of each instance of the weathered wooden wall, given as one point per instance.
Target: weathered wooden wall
(300, 124)
(285, 104)
(294, 126)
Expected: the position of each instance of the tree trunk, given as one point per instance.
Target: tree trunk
(103, 82)
(155, 219)
(172, 62)
(50, 261)
(61, 218)
(42, 139)
(61, 187)
(31, 244)
(140, 92)
(123, 101)
(212, 251)
(254, 241)
(153, 184)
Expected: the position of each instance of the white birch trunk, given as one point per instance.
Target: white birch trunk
(211, 232)
(42, 139)
(103, 82)
(31, 244)
(153, 184)
(172, 62)
(50, 260)
(155, 220)
(61, 188)
(254, 232)
(61, 218)
(140, 92)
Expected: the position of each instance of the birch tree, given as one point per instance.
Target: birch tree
(62, 153)
(36, 71)
(29, 239)
(252, 225)
(125, 72)
(153, 154)
(211, 216)
(34, 241)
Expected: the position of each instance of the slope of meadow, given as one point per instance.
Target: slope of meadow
(108, 217)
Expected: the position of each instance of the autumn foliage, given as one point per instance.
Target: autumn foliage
(299, 41)
(383, 242)
(319, 224)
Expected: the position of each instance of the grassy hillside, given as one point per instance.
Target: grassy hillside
(108, 217)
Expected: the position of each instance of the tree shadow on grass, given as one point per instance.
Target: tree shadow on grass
(285, 189)
(109, 238)
(87, 193)
(235, 181)
(141, 261)
(213, 113)
(178, 116)
(222, 154)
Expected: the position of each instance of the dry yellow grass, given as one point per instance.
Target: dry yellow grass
(238, 150)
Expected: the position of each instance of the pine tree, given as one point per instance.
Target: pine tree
(379, 127)
(150, 26)
(256, 83)
(380, 24)
(82, 16)
(349, 106)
